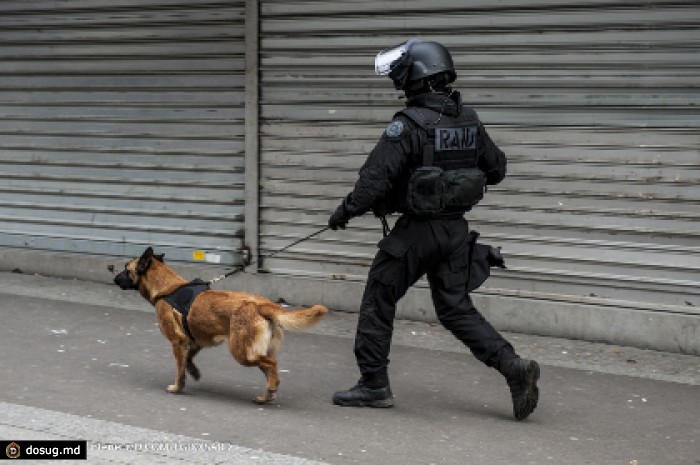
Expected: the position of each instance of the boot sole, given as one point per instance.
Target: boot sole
(380, 403)
(532, 393)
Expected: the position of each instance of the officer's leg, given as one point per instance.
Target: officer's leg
(388, 281)
(399, 263)
(457, 313)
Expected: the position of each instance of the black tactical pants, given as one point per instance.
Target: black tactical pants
(415, 247)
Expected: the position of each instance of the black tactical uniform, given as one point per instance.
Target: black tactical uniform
(436, 244)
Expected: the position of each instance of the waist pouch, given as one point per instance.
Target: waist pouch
(432, 190)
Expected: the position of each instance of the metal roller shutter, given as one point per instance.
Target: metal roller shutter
(595, 102)
(121, 126)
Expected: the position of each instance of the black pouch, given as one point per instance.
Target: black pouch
(464, 187)
(426, 190)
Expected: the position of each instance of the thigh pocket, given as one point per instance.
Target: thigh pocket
(469, 268)
(455, 272)
(394, 246)
(479, 268)
(388, 265)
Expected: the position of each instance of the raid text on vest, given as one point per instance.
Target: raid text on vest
(461, 138)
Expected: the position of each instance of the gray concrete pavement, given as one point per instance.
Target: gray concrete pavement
(83, 364)
(115, 443)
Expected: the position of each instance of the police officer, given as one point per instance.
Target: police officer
(431, 164)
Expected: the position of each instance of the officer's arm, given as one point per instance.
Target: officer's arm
(384, 164)
(492, 160)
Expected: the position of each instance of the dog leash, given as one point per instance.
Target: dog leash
(243, 267)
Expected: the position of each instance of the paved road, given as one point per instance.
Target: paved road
(87, 361)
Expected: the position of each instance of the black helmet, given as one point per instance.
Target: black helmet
(413, 61)
(430, 58)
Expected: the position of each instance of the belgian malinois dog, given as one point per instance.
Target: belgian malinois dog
(252, 325)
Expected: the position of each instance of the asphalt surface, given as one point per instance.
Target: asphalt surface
(87, 361)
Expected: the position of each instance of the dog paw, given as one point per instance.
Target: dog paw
(262, 400)
(265, 399)
(174, 389)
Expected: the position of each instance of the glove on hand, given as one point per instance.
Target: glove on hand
(339, 218)
(495, 258)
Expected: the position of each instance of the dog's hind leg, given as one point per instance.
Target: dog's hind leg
(191, 367)
(268, 365)
(179, 351)
(251, 345)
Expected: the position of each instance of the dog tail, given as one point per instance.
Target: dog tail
(299, 320)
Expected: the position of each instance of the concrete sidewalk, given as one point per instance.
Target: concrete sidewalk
(115, 443)
(86, 361)
(582, 355)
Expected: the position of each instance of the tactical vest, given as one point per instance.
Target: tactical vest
(448, 179)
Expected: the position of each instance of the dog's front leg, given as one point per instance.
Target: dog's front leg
(180, 353)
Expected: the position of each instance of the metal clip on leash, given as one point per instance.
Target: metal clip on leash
(385, 226)
(241, 268)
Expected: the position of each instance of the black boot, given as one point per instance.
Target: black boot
(366, 394)
(522, 376)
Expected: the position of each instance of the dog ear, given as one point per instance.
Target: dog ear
(159, 257)
(144, 261)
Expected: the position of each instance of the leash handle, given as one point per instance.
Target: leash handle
(298, 241)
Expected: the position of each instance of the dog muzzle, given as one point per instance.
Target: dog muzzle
(124, 281)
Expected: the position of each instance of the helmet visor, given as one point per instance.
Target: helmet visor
(389, 56)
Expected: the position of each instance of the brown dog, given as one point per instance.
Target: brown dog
(251, 324)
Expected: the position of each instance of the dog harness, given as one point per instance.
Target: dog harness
(181, 300)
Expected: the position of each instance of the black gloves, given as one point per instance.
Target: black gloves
(339, 218)
(495, 258)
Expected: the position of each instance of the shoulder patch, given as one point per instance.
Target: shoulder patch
(394, 129)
